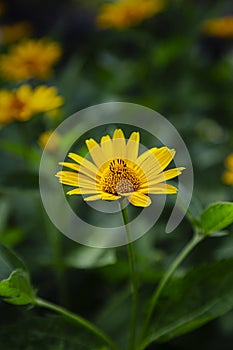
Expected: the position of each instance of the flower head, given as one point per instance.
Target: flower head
(227, 176)
(118, 171)
(14, 32)
(219, 27)
(30, 59)
(24, 102)
(126, 13)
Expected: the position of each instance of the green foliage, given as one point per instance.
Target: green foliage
(48, 333)
(9, 262)
(216, 217)
(170, 64)
(85, 257)
(189, 301)
(17, 289)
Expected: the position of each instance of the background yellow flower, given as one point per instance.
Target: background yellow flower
(22, 103)
(227, 176)
(30, 59)
(14, 32)
(126, 13)
(219, 27)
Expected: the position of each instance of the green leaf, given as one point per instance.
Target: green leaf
(17, 289)
(86, 257)
(202, 294)
(47, 333)
(12, 236)
(9, 262)
(216, 217)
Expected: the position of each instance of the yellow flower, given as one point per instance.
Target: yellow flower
(118, 171)
(14, 32)
(45, 99)
(30, 59)
(53, 144)
(24, 102)
(126, 13)
(220, 27)
(227, 176)
(5, 107)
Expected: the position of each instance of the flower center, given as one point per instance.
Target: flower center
(119, 178)
(17, 105)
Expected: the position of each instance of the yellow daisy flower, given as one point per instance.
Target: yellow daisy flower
(227, 176)
(24, 102)
(30, 59)
(219, 27)
(126, 13)
(118, 171)
(14, 32)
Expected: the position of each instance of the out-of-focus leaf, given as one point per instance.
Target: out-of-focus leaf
(202, 294)
(9, 262)
(118, 305)
(20, 150)
(4, 210)
(20, 179)
(17, 288)
(47, 333)
(86, 257)
(12, 236)
(216, 217)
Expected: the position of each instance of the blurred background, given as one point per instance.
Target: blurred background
(58, 57)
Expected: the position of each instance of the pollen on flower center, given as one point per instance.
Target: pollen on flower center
(17, 105)
(119, 178)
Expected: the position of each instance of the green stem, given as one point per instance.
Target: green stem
(183, 254)
(77, 319)
(133, 277)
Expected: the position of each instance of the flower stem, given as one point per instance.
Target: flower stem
(133, 277)
(185, 251)
(77, 319)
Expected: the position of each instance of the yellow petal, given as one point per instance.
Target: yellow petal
(84, 181)
(84, 164)
(139, 199)
(166, 175)
(81, 191)
(96, 152)
(106, 145)
(159, 189)
(68, 178)
(164, 156)
(119, 144)
(93, 198)
(72, 166)
(103, 196)
(109, 197)
(157, 161)
(145, 155)
(133, 146)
